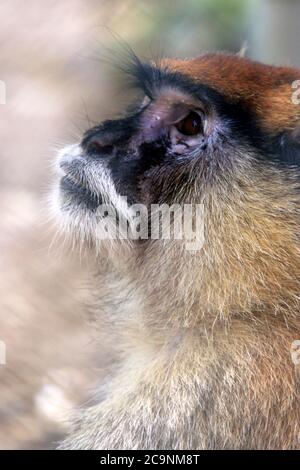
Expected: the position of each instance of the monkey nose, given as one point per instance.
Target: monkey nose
(97, 146)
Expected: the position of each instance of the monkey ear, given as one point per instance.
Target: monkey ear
(289, 148)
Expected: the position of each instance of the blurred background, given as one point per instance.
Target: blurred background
(57, 84)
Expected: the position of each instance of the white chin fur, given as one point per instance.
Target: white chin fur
(81, 223)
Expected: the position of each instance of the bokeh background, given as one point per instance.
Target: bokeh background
(53, 60)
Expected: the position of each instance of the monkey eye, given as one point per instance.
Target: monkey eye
(191, 125)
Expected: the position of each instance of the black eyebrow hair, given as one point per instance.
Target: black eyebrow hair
(150, 78)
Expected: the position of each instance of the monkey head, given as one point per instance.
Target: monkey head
(218, 130)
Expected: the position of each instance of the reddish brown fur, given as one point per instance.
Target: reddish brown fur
(265, 89)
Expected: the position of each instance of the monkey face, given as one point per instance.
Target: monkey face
(203, 126)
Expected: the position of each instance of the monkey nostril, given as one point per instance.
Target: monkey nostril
(96, 147)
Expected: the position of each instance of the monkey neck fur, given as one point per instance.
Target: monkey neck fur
(247, 270)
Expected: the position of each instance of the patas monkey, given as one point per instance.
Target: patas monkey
(204, 336)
